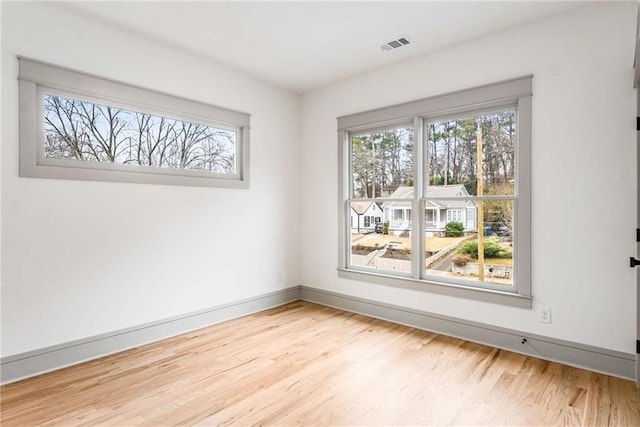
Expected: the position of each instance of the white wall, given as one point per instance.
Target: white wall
(82, 258)
(584, 172)
(1, 184)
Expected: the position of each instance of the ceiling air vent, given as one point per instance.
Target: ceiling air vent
(394, 44)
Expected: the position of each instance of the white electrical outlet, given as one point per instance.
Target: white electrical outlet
(544, 314)
(279, 277)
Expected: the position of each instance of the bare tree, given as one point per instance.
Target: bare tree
(85, 131)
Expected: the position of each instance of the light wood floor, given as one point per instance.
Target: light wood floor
(310, 365)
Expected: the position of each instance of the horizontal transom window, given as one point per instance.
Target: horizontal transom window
(79, 126)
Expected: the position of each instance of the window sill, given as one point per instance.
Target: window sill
(477, 294)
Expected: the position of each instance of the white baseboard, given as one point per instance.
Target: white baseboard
(25, 365)
(610, 362)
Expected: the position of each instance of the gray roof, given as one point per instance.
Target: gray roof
(446, 191)
(402, 193)
(449, 191)
(361, 207)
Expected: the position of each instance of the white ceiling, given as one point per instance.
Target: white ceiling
(303, 45)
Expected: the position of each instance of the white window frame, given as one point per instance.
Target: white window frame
(515, 93)
(38, 78)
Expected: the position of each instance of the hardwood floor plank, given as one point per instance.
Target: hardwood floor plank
(305, 364)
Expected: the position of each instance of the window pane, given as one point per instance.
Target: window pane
(468, 185)
(83, 131)
(452, 246)
(385, 244)
(452, 155)
(381, 162)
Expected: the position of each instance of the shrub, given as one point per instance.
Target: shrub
(492, 249)
(454, 229)
(461, 260)
(385, 227)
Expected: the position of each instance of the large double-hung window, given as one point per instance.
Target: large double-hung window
(452, 176)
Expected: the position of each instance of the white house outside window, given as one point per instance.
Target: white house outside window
(461, 163)
(454, 215)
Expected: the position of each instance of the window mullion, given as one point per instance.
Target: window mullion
(417, 219)
(345, 193)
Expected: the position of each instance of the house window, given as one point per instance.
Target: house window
(471, 217)
(367, 221)
(79, 126)
(454, 215)
(474, 169)
(430, 216)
